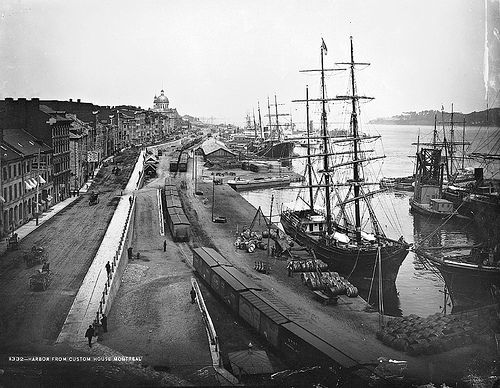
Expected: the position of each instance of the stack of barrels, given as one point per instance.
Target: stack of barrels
(435, 334)
(330, 282)
(250, 241)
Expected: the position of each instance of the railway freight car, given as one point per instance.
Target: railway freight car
(174, 161)
(228, 283)
(265, 319)
(183, 162)
(178, 224)
(206, 258)
(301, 342)
(302, 347)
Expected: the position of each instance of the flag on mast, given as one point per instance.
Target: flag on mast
(323, 46)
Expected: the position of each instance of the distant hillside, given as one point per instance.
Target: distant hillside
(426, 117)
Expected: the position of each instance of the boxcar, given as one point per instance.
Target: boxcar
(304, 348)
(174, 161)
(265, 319)
(203, 262)
(226, 286)
(183, 161)
(217, 257)
(243, 279)
(179, 226)
(173, 201)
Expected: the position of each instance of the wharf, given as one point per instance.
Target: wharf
(351, 328)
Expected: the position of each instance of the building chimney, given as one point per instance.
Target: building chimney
(70, 100)
(78, 100)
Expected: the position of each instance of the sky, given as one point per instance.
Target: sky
(218, 58)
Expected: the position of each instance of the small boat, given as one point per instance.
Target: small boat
(470, 277)
(427, 198)
(259, 183)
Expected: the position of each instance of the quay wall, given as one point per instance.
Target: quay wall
(98, 290)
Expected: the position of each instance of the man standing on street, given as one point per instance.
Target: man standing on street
(193, 295)
(89, 334)
(108, 269)
(164, 245)
(104, 323)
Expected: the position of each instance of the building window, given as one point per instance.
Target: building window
(10, 172)
(15, 191)
(5, 193)
(10, 193)
(5, 173)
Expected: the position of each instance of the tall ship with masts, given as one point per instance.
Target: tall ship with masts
(343, 230)
(271, 144)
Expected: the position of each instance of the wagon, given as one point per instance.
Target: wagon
(40, 280)
(94, 198)
(37, 255)
(13, 242)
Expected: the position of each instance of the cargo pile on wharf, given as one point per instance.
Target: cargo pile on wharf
(250, 240)
(306, 265)
(331, 282)
(173, 213)
(435, 334)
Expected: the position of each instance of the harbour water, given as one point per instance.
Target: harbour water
(419, 286)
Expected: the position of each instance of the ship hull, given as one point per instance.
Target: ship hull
(469, 285)
(283, 149)
(258, 184)
(356, 263)
(418, 208)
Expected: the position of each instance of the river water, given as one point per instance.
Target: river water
(419, 286)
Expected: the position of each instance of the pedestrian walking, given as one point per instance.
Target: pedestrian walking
(193, 295)
(108, 269)
(104, 323)
(164, 245)
(89, 334)
(130, 199)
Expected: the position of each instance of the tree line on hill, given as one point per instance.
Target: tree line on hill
(490, 117)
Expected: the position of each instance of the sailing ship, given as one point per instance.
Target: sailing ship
(271, 144)
(339, 240)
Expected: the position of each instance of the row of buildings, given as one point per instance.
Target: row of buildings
(49, 148)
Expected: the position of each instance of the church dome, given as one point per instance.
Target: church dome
(161, 98)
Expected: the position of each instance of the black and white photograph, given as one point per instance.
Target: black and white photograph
(250, 193)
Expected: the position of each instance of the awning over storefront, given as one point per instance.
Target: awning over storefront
(33, 182)
(49, 198)
(28, 185)
(2, 199)
(41, 180)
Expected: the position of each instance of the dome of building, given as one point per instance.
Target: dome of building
(161, 98)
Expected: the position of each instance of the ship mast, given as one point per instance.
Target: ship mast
(269, 116)
(277, 122)
(254, 123)
(260, 121)
(357, 180)
(309, 166)
(325, 142)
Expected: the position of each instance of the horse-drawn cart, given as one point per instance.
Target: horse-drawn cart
(94, 198)
(37, 255)
(13, 242)
(41, 279)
